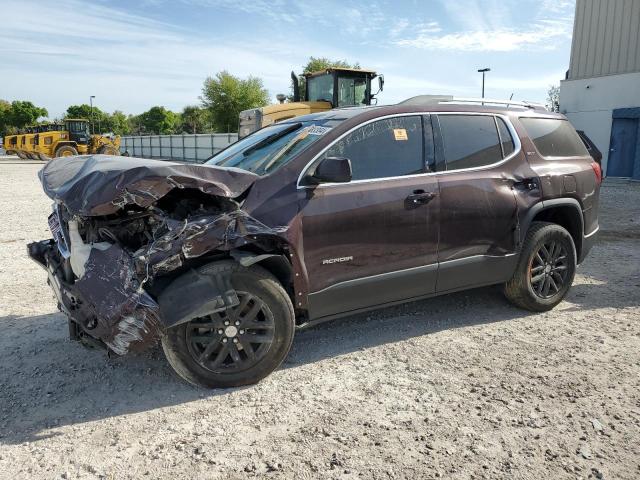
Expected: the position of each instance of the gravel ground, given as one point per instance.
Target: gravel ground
(461, 386)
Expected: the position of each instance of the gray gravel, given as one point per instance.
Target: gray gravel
(461, 386)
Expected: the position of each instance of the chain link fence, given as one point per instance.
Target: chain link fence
(187, 148)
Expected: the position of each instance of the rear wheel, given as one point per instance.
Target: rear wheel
(545, 270)
(66, 151)
(43, 157)
(22, 155)
(238, 346)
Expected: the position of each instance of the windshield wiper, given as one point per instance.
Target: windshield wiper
(271, 139)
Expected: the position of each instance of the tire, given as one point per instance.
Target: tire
(545, 270)
(275, 321)
(66, 151)
(43, 157)
(22, 155)
(32, 155)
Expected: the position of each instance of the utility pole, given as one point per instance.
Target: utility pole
(483, 71)
(91, 119)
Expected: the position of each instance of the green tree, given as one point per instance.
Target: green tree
(24, 113)
(316, 64)
(194, 119)
(553, 98)
(159, 121)
(119, 123)
(5, 121)
(99, 119)
(226, 95)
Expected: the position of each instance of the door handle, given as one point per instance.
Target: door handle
(419, 197)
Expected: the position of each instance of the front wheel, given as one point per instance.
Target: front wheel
(545, 270)
(66, 151)
(238, 346)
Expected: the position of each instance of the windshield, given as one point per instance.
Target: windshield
(272, 147)
(320, 88)
(351, 91)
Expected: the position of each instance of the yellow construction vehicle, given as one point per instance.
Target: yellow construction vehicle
(326, 89)
(62, 140)
(10, 144)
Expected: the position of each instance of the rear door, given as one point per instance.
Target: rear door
(374, 240)
(478, 210)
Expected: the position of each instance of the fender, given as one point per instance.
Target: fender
(192, 295)
(548, 205)
(276, 264)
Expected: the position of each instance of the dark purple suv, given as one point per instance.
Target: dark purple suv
(315, 218)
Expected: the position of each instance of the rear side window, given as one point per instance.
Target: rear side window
(554, 137)
(385, 148)
(505, 138)
(469, 141)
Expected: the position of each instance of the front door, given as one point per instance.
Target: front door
(374, 240)
(622, 149)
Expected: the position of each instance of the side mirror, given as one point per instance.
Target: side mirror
(331, 170)
(380, 83)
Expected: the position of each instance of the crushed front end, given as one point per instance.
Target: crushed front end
(126, 229)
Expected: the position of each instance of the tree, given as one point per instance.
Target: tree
(5, 123)
(24, 113)
(194, 119)
(99, 119)
(316, 64)
(225, 96)
(119, 123)
(160, 121)
(553, 98)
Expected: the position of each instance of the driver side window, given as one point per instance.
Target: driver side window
(391, 147)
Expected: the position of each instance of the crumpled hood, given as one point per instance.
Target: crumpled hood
(94, 185)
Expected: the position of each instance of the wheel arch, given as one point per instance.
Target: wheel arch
(565, 212)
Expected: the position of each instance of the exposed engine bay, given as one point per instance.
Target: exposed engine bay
(122, 260)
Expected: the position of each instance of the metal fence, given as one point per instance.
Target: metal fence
(188, 148)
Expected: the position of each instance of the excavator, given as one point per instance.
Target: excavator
(330, 88)
(65, 139)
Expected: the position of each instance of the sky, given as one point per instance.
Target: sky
(135, 55)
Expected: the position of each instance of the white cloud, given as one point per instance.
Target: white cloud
(490, 26)
(542, 36)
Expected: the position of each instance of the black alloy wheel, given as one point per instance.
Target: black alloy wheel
(233, 340)
(549, 269)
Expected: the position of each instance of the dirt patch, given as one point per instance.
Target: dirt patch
(459, 386)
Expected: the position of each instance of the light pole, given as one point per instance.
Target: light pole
(91, 103)
(483, 71)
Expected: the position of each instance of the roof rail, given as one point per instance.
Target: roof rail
(440, 99)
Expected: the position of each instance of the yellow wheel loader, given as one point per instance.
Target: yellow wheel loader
(62, 140)
(326, 89)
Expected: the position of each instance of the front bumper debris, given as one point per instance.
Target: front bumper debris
(107, 303)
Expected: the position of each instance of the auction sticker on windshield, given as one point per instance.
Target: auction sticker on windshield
(318, 130)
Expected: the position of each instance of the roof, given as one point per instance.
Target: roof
(333, 114)
(341, 69)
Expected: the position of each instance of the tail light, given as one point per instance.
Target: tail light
(598, 171)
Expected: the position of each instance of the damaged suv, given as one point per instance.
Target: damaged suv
(315, 218)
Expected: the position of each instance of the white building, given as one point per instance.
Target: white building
(601, 94)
